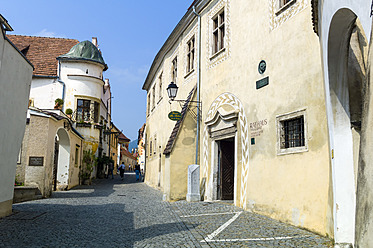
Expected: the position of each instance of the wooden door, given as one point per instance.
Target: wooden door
(227, 169)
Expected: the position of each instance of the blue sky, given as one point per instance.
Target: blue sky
(130, 33)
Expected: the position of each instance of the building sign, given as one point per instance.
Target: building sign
(36, 161)
(256, 128)
(262, 82)
(174, 115)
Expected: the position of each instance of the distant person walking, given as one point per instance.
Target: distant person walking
(129, 167)
(121, 170)
(137, 170)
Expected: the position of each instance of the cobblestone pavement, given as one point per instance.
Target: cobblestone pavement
(115, 213)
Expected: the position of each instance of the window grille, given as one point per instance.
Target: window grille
(292, 133)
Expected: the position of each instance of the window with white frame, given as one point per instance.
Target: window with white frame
(292, 133)
(190, 54)
(174, 70)
(218, 32)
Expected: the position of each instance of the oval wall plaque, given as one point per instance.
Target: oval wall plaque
(262, 67)
(174, 115)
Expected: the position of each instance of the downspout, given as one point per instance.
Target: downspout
(63, 84)
(198, 81)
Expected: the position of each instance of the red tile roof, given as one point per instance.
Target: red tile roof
(126, 153)
(123, 137)
(42, 51)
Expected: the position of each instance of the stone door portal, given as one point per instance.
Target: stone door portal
(226, 169)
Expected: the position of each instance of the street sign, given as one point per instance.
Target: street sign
(174, 115)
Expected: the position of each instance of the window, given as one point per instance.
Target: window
(218, 32)
(150, 148)
(153, 97)
(83, 110)
(76, 155)
(96, 111)
(190, 55)
(284, 2)
(174, 70)
(292, 133)
(155, 144)
(160, 87)
(148, 103)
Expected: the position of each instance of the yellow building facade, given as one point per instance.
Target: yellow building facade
(263, 137)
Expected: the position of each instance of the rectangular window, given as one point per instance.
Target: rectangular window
(284, 2)
(83, 110)
(148, 103)
(174, 70)
(218, 32)
(190, 55)
(150, 148)
(292, 133)
(155, 144)
(153, 97)
(96, 112)
(76, 155)
(160, 87)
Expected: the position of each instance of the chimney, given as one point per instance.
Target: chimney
(94, 41)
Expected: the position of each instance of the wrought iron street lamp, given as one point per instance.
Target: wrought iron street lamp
(172, 91)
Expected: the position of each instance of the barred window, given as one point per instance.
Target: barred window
(292, 133)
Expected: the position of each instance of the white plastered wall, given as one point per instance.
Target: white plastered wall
(15, 81)
(340, 135)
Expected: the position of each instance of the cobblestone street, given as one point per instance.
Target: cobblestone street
(115, 213)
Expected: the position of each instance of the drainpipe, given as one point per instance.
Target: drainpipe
(198, 81)
(63, 84)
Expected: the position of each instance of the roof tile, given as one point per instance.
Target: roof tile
(43, 51)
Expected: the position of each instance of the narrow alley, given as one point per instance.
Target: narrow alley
(115, 213)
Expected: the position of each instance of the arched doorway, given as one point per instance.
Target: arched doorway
(61, 160)
(225, 128)
(346, 60)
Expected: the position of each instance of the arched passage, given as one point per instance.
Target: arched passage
(63, 161)
(346, 58)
